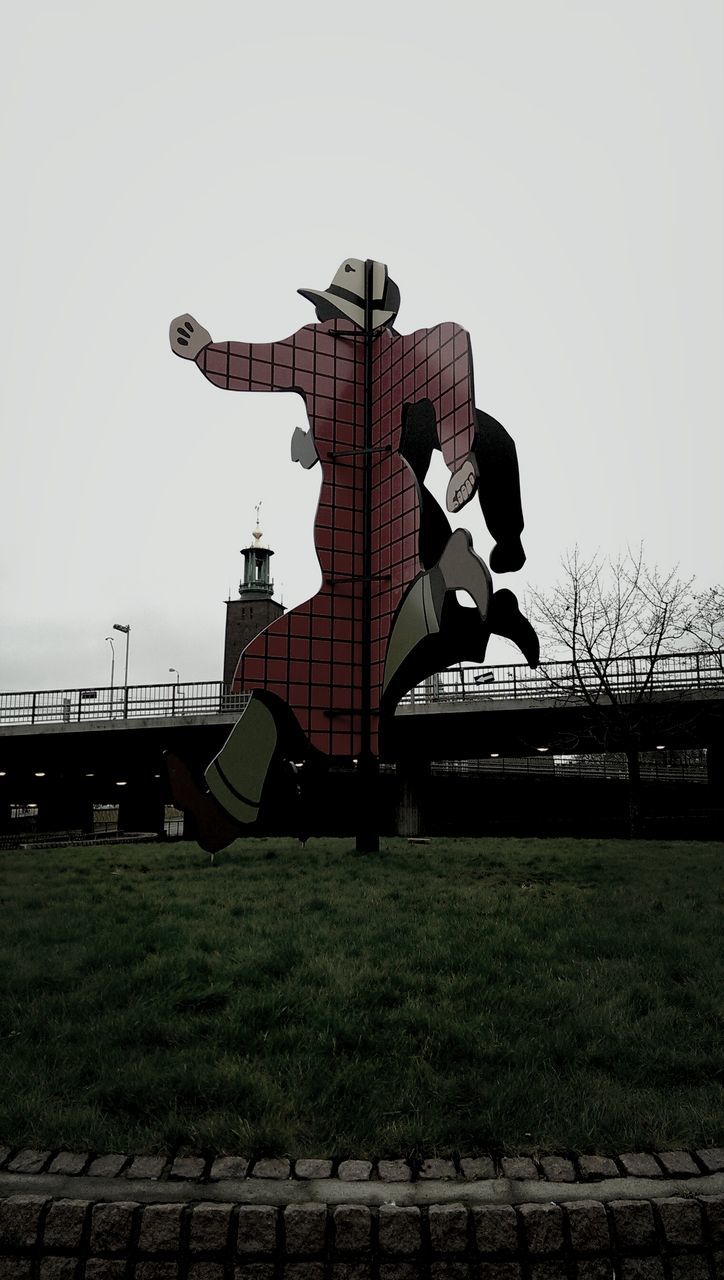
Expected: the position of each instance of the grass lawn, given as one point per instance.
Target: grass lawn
(464, 995)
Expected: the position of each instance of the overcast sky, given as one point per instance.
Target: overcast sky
(548, 175)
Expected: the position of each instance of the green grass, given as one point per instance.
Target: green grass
(466, 995)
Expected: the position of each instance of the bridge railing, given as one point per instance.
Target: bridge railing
(675, 672)
(76, 706)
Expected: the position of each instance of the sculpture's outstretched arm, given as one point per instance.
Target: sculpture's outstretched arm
(234, 366)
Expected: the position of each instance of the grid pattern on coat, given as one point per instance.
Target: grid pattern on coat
(312, 656)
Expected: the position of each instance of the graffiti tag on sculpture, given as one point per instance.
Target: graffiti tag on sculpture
(326, 675)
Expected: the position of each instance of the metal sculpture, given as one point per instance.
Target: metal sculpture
(327, 674)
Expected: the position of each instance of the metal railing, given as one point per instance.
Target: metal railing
(78, 706)
(671, 672)
(674, 672)
(653, 767)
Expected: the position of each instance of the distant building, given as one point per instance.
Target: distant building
(255, 608)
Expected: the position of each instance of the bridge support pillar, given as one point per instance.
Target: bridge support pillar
(715, 770)
(412, 779)
(142, 808)
(63, 808)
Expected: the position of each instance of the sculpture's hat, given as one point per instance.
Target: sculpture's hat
(346, 294)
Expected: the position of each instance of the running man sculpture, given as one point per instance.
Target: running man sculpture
(325, 675)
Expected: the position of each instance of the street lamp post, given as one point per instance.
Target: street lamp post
(174, 691)
(125, 627)
(113, 668)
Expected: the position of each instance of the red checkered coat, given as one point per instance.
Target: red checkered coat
(311, 657)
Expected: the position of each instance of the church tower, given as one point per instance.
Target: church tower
(255, 608)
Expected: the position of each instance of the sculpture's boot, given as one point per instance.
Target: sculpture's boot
(505, 619)
(420, 613)
(237, 775)
(214, 828)
(463, 570)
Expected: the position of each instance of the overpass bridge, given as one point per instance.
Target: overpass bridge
(64, 749)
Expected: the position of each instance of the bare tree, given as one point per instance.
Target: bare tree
(705, 625)
(615, 619)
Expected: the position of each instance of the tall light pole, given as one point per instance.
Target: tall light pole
(175, 690)
(113, 667)
(125, 627)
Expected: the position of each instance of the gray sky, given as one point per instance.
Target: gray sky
(548, 175)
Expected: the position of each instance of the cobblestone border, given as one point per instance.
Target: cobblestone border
(674, 1238)
(203, 1169)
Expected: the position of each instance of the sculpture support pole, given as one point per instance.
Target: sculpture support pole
(368, 840)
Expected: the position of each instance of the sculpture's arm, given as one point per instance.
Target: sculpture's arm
(499, 492)
(449, 385)
(235, 366)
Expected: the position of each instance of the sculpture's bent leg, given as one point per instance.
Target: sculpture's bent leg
(420, 613)
(236, 776)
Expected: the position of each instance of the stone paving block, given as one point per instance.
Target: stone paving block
(160, 1228)
(206, 1271)
(355, 1170)
(271, 1169)
(399, 1228)
(257, 1229)
(155, 1270)
(29, 1161)
(520, 1168)
(15, 1268)
(352, 1226)
(689, 1268)
(595, 1269)
(448, 1227)
(146, 1167)
(712, 1159)
(209, 1230)
(394, 1171)
(105, 1269)
(106, 1166)
(496, 1228)
(499, 1271)
(714, 1213)
(543, 1227)
(111, 1226)
(254, 1271)
(69, 1162)
(678, 1164)
(551, 1270)
(228, 1167)
(595, 1167)
(437, 1168)
(19, 1220)
(449, 1271)
(304, 1227)
(352, 1271)
(190, 1167)
(304, 1271)
(309, 1169)
(558, 1169)
(633, 1223)
(641, 1269)
(57, 1268)
(64, 1224)
(477, 1168)
(640, 1164)
(399, 1271)
(681, 1220)
(588, 1225)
